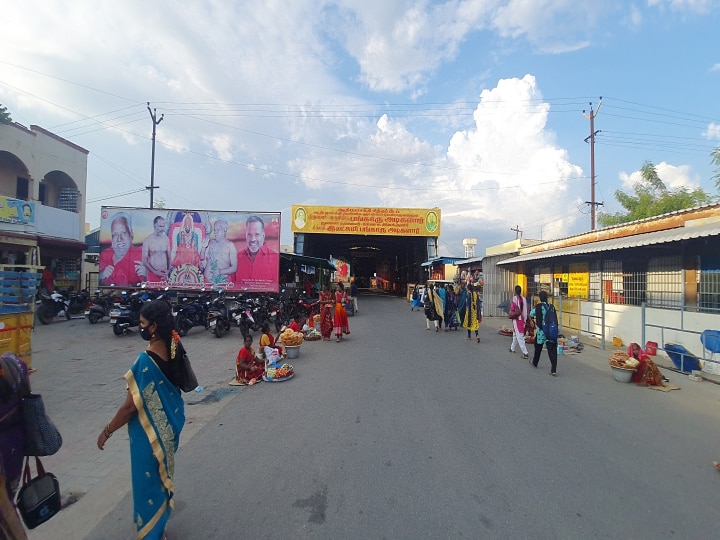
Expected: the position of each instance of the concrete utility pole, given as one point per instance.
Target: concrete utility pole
(591, 139)
(518, 231)
(152, 187)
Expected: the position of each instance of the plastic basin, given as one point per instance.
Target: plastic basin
(622, 374)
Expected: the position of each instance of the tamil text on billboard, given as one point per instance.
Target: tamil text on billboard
(363, 220)
(189, 249)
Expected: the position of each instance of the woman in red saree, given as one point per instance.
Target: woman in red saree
(340, 324)
(249, 369)
(326, 319)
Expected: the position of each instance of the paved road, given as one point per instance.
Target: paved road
(396, 433)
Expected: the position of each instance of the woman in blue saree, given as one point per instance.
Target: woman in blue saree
(155, 414)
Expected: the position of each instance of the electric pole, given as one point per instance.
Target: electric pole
(518, 231)
(152, 187)
(591, 139)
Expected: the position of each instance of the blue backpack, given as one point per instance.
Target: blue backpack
(550, 323)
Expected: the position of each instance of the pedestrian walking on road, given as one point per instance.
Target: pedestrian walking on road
(451, 322)
(539, 312)
(326, 308)
(472, 315)
(416, 299)
(429, 307)
(155, 414)
(353, 293)
(340, 322)
(518, 314)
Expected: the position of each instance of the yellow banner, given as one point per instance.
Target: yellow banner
(579, 281)
(363, 220)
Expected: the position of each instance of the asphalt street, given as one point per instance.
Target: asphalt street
(397, 432)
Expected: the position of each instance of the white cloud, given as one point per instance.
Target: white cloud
(221, 144)
(673, 176)
(712, 131)
(699, 6)
(495, 171)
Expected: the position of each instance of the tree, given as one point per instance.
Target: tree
(5, 116)
(716, 161)
(652, 198)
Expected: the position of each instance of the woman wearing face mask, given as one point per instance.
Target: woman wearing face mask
(155, 414)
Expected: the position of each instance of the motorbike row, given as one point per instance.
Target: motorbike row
(65, 303)
(211, 310)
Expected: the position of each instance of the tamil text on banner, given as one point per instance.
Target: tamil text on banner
(189, 249)
(364, 220)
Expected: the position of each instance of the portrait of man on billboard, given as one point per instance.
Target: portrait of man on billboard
(156, 252)
(258, 265)
(121, 264)
(218, 257)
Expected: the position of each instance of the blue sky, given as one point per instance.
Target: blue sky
(474, 106)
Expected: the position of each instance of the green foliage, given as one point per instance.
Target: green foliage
(5, 116)
(652, 198)
(715, 154)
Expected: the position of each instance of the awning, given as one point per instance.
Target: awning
(64, 243)
(311, 261)
(637, 240)
(443, 260)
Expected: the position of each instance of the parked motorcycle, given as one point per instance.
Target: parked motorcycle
(52, 305)
(189, 313)
(218, 317)
(126, 314)
(242, 315)
(77, 301)
(99, 306)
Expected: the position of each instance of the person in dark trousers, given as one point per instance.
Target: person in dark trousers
(353, 293)
(538, 312)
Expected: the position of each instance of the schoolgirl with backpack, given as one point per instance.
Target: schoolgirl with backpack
(547, 334)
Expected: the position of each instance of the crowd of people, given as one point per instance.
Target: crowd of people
(250, 364)
(450, 307)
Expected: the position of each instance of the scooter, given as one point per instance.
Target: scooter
(99, 306)
(52, 305)
(218, 317)
(126, 314)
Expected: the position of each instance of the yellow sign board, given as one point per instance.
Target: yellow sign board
(364, 220)
(579, 281)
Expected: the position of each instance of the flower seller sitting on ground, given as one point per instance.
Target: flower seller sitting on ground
(248, 368)
(647, 373)
(267, 339)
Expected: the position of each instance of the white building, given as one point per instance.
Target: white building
(43, 181)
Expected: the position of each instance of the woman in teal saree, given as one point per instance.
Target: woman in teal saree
(155, 414)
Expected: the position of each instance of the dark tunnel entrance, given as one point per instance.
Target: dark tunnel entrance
(391, 262)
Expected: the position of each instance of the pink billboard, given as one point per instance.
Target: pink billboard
(189, 249)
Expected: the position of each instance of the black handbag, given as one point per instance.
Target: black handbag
(41, 436)
(39, 498)
(188, 380)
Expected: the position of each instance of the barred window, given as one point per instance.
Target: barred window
(709, 283)
(665, 282)
(595, 280)
(612, 282)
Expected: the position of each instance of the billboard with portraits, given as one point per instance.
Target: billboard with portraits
(189, 249)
